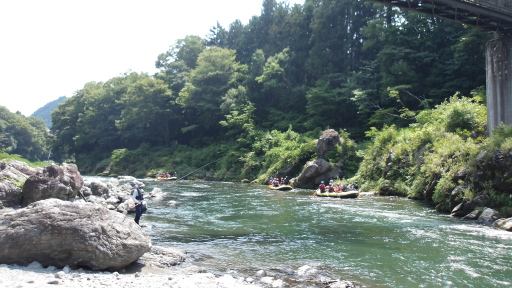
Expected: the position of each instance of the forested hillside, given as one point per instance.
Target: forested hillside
(257, 95)
(45, 112)
(24, 136)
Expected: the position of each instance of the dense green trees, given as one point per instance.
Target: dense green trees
(342, 64)
(25, 136)
(443, 158)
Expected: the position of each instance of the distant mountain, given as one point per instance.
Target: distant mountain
(45, 112)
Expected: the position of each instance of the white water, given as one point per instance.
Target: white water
(376, 241)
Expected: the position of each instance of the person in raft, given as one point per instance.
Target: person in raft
(339, 189)
(138, 197)
(275, 182)
(331, 186)
(322, 187)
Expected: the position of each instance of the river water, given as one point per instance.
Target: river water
(375, 241)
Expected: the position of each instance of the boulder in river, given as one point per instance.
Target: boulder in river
(503, 223)
(316, 171)
(78, 234)
(488, 216)
(320, 169)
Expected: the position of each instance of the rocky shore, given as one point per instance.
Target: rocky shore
(159, 268)
(35, 275)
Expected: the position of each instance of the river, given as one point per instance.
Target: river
(375, 241)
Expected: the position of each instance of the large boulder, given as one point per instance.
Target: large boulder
(488, 216)
(326, 142)
(316, 171)
(163, 257)
(61, 182)
(99, 188)
(12, 176)
(319, 169)
(503, 223)
(9, 193)
(17, 170)
(78, 234)
(466, 207)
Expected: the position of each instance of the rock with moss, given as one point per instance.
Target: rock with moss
(13, 175)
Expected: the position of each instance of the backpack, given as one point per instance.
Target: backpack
(140, 195)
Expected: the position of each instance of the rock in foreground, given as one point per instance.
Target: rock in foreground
(59, 233)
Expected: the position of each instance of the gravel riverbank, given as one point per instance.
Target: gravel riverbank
(34, 275)
(150, 274)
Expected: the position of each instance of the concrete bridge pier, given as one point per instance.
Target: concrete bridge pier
(499, 82)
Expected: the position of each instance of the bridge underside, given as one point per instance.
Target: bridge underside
(492, 17)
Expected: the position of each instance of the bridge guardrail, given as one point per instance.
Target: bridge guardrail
(504, 6)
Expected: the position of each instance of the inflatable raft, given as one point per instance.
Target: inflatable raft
(281, 188)
(348, 194)
(167, 178)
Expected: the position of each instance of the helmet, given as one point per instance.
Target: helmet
(321, 182)
(330, 181)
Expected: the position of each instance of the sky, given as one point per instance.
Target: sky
(51, 48)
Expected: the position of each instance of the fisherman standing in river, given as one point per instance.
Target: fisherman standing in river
(138, 197)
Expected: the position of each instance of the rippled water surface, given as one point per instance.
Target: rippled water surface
(376, 241)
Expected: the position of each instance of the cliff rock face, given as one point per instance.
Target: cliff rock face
(497, 169)
(59, 233)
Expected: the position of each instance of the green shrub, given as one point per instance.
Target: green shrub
(421, 161)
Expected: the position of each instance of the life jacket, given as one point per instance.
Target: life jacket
(331, 188)
(321, 187)
(140, 195)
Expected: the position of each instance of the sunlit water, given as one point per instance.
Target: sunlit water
(376, 241)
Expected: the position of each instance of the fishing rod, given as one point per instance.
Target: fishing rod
(198, 169)
(147, 160)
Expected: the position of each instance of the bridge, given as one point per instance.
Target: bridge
(490, 15)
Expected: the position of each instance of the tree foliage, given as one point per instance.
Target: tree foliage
(344, 64)
(24, 136)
